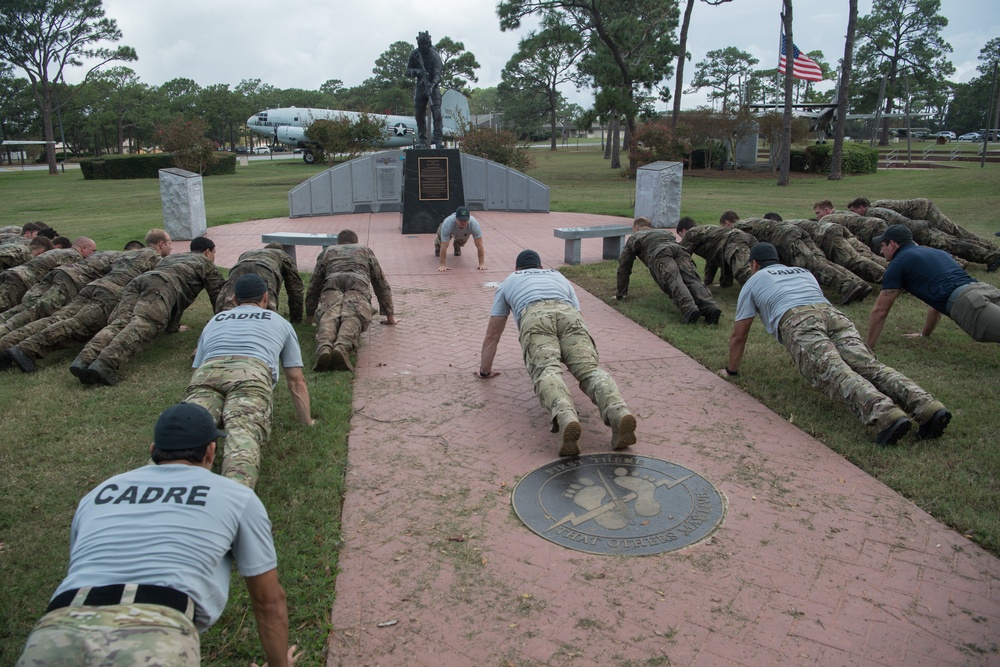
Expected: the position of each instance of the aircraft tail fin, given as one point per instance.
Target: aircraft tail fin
(455, 112)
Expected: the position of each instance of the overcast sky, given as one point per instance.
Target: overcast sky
(302, 44)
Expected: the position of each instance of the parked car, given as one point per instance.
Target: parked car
(279, 149)
(243, 150)
(262, 150)
(919, 135)
(971, 136)
(944, 133)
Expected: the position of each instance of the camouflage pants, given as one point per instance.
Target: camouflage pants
(976, 310)
(76, 322)
(737, 256)
(830, 353)
(344, 311)
(974, 250)
(552, 332)
(49, 302)
(677, 276)
(828, 274)
(11, 291)
(136, 321)
(113, 636)
(842, 253)
(925, 209)
(455, 241)
(237, 391)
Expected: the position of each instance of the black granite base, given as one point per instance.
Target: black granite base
(432, 188)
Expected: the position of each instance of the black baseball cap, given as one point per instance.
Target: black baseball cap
(901, 234)
(528, 259)
(249, 286)
(763, 252)
(185, 426)
(462, 213)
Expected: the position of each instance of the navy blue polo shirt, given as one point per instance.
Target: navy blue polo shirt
(929, 274)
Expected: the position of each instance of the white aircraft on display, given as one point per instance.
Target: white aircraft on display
(287, 126)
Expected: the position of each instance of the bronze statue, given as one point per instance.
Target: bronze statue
(425, 66)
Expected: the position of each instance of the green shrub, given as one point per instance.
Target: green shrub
(655, 142)
(857, 159)
(224, 164)
(499, 146)
(111, 167)
(796, 160)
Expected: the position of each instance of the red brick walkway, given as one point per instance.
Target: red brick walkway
(816, 563)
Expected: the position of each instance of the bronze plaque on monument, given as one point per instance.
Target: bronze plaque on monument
(432, 178)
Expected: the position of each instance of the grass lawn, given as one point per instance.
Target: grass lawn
(60, 439)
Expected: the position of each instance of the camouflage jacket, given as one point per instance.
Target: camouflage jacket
(644, 245)
(13, 254)
(74, 276)
(273, 266)
(774, 232)
(35, 269)
(864, 227)
(180, 279)
(126, 266)
(353, 258)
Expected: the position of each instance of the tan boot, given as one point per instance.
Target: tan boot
(623, 431)
(569, 424)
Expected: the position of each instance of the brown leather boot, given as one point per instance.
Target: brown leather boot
(324, 358)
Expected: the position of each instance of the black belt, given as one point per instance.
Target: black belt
(102, 596)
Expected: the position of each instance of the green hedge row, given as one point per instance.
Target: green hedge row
(146, 166)
(858, 159)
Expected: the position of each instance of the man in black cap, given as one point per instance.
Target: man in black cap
(552, 332)
(151, 552)
(932, 276)
(239, 353)
(458, 227)
(828, 350)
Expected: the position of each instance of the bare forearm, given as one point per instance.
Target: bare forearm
(933, 317)
(272, 628)
(300, 396)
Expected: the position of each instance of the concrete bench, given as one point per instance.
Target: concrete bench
(289, 240)
(613, 235)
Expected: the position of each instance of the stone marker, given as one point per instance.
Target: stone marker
(183, 204)
(658, 193)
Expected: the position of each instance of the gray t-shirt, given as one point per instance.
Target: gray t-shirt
(524, 287)
(250, 331)
(773, 291)
(450, 230)
(170, 525)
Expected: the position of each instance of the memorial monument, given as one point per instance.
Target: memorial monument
(426, 67)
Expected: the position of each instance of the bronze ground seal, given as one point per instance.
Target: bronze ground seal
(618, 504)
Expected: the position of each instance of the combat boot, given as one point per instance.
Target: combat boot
(23, 361)
(569, 424)
(98, 373)
(623, 431)
(899, 427)
(341, 359)
(324, 358)
(79, 370)
(934, 426)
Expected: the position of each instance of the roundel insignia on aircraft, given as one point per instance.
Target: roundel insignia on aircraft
(399, 129)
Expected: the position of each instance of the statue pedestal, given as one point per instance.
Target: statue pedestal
(432, 188)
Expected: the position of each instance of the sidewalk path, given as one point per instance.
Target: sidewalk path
(816, 563)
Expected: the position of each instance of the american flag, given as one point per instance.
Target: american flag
(803, 67)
